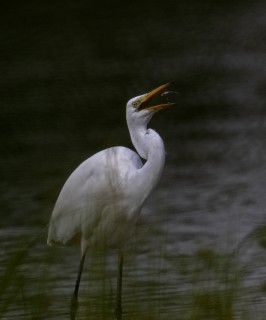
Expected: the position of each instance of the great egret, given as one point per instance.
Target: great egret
(101, 200)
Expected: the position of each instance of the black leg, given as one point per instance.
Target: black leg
(74, 300)
(118, 309)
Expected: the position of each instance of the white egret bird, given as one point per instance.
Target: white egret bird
(101, 200)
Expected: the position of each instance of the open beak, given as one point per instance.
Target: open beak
(148, 96)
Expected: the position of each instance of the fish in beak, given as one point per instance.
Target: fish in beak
(143, 105)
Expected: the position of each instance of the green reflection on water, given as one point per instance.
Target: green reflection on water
(37, 283)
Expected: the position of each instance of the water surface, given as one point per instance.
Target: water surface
(67, 70)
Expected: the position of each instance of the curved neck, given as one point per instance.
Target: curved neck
(150, 146)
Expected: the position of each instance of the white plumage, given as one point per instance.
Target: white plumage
(102, 198)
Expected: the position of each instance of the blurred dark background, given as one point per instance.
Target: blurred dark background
(68, 68)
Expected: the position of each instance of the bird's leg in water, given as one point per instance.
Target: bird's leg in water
(118, 309)
(74, 300)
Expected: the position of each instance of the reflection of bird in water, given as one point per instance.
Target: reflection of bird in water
(102, 198)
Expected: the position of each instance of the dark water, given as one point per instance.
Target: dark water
(67, 70)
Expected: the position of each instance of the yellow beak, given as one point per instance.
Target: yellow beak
(146, 97)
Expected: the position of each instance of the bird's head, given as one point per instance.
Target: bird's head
(138, 109)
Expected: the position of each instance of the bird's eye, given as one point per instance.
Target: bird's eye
(135, 104)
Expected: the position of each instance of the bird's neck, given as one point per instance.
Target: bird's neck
(140, 140)
(150, 146)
